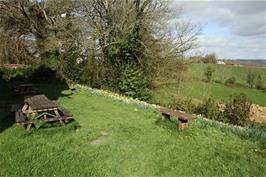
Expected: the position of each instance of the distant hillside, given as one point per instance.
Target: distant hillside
(257, 63)
(194, 86)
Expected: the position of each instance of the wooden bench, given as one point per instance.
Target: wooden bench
(15, 107)
(19, 116)
(64, 112)
(183, 118)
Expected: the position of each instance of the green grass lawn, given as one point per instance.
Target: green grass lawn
(138, 143)
(195, 87)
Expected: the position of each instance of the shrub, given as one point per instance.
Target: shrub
(230, 81)
(133, 83)
(260, 85)
(70, 68)
(237, 110)
(218, 81)
(210, 109)
(251, 78)
(16, 73)
(183, 105)
(208, 73)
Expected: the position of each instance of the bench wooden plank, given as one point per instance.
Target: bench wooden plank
(171, 112)
(47, 120)
(20, 117)
(64, 112)
(15, 107)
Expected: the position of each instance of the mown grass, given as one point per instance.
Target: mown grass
(195, 87)
(138, 143)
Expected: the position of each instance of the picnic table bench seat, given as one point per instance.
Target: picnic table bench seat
(64, 112)
(15, 107)
(183, 118)
(19, 116)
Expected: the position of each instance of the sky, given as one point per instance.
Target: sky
(231, 29)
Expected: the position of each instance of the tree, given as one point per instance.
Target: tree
(134, 83)
(105, 35)
(35, 29)
(259, 84)
(251, 78)
(208, 73)
(135, 32)
(210, 58)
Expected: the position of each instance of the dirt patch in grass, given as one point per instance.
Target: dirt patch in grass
(100, 139)
(258, 113)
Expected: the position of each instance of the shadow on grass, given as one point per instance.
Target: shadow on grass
(167, 124)
(6, 121)
(69, 124)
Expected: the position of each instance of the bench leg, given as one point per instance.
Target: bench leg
(28, 127)
(166, 116)
(62, 123)
(182, 124)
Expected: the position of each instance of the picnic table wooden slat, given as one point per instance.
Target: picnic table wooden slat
(39, 102)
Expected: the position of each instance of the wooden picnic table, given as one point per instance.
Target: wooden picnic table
(39, 108)
(24, 89)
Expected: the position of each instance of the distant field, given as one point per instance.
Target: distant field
(195, 87)
(223, 72)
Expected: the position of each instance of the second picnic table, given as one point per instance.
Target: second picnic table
(40, 108)
(24, 89)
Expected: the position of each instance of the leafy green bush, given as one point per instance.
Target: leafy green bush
(16, 73)
(210, 109)
(133, 83)
(185, 105)
(251, 76)
(208, 73)
(260, 85)
(237, 110)
(218, 81)
(70, 69)
(230, 81)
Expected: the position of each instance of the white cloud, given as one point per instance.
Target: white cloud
(233, 29)
(243, 17)
(232, 47)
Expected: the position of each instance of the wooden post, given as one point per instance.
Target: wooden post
(28, 127)
(182, 124)
(56, 113)
(62, 123)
